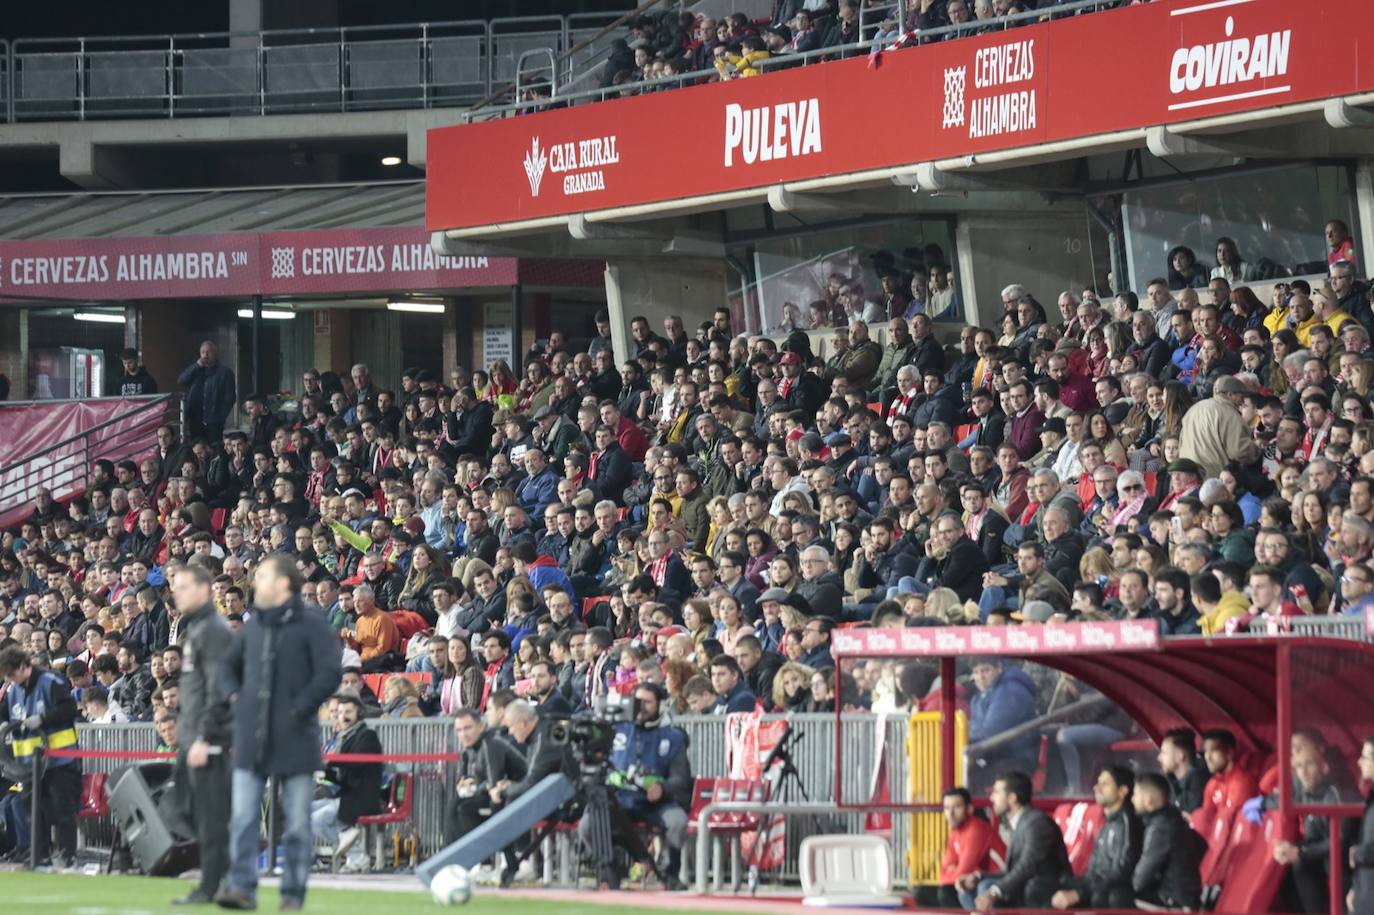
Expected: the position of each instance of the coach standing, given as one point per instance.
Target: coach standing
(203, 727)
(283, 665)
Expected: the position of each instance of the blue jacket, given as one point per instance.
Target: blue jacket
(538, 492)
(47, 695)
(1009, 701)
(210, 393)
(739, 699)
(660, 752)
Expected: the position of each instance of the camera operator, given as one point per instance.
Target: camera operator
(487, 761)
(544, 755)
(653, 776)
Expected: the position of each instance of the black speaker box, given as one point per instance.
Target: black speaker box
(142, 805)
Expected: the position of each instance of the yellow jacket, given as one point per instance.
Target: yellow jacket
(741, 64)
(1231, 606)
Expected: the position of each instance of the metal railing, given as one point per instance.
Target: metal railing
(866, 43)
(64, 467)
(418, 65)
(435, 783)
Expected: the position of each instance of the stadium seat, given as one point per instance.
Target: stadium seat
(1080, 823)
(95, 800)
(400, 804)
(1218, 834)
(847, 871)
(1252, 876)
(726, 826)
(589, 602)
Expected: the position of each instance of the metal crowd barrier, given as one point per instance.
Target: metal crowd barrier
(435, 784)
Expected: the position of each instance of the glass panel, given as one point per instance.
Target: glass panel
(1275, 216)
(815, 280)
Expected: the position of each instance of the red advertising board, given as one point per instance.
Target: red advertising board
(29, 428)
(1158, 63)
(273, 264)
(956, 641)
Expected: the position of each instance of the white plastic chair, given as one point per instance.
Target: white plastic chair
(847, 871)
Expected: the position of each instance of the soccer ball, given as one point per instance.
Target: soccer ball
(451, 885)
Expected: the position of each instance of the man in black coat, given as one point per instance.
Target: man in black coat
(487, 762)
(529, 733)
(760, 668)
(283, 665)
(1168, 873)
(609, 469)
(822, 588)
(1107, 881)
(469, 427)
(991, 526)
(800, 389)
(204, 727)
(1035, 855)
(359, 785)
(952, 560)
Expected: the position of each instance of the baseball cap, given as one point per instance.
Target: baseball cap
(1055, 424)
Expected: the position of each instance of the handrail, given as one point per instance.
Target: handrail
(637, 11)
(54, 465)
(788, 60)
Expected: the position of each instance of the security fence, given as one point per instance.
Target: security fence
(868, 741)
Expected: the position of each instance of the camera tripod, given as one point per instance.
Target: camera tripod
(787, 784)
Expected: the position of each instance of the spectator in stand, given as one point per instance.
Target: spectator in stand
(133, 380)
(1006, 698)
(1230, 785)
(1184, 771)
(210, 394)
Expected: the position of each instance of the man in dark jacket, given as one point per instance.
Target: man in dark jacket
(822, 588)
(134, 381)
(1167, 875)
(283, 665)
(609, 469)
(487, 761)
(952, 560)
(1006, 698)
(469, 427)
(529, 733)
(210, 394)
(732, 692)
(1107, 881)
(759, 667)
(359, 785)
(800, 389)
(1036, 855)
(204, 726)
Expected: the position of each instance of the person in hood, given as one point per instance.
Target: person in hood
(1006, 698)
(280, 669)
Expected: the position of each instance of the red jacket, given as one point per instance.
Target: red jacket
(632, 439)
(1228, 790)
(973, 845)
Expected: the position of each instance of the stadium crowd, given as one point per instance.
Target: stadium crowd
(663, 45)
(704, 513)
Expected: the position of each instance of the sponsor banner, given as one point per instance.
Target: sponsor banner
(1145, 65)
(1069, 638)
(273, 263)
(29, 428)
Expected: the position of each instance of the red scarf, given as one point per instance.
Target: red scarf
(659, 570)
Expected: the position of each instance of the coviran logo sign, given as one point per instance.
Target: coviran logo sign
(1240, 61)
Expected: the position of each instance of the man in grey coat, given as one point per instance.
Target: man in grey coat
(203, 727)
(282, 666)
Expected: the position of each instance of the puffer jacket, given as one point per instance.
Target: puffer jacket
(1114, 856)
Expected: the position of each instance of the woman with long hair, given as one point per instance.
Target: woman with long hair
(1245, 311)
(1234, 541)
(426, 567)
(792, 687)
(1184, 269)
(1231, 267)
(676, 673)
(1098, 430)
(719, 511)
(1177, 400)
(761, 553)
(698, 620)
(1099, 357)
(1282, 345)
(400, 698)
(463, 687)
(502, 382)
(731, 627)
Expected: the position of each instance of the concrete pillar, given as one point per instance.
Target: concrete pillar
(333, 342)
(690, 287)
(1364, 203)
(14, 350)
